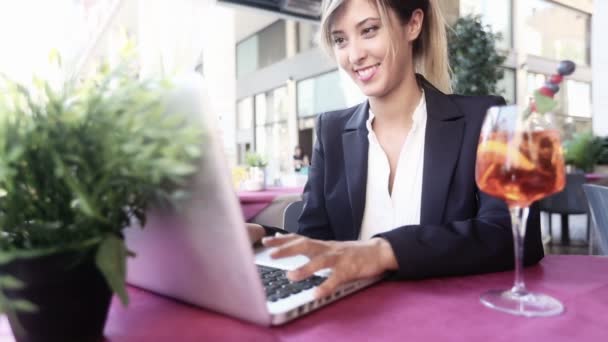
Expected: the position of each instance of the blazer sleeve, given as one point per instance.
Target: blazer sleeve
(478, 245)
(314, 221)
(481, 244)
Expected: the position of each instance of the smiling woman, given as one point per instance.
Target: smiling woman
(391, 185)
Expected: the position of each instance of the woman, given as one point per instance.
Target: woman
(300, 159)
(391, 188)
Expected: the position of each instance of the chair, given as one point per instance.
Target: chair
(291, 215)
(570, 201)
(597, 197)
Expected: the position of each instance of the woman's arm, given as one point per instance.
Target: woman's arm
(478, 245)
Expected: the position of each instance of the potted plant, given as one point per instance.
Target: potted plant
(77, 165)
(602, 163)
(257, 172)
(475, 62)
(584, 151)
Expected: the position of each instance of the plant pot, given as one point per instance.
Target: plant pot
(70, 293)
(256, 180)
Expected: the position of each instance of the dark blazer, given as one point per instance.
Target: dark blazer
(461, 230)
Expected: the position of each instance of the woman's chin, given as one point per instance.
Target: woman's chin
(371, 91)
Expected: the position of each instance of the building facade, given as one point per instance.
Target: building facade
(284, 80)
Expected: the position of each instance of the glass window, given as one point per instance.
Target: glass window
(557, 32)
(247, 56)
(307, 36)
(266, 47)
(496, 13)
(534, 82)
(271, 131)
(272, 44)
(575, 98)
(320, 94)
(506, 86)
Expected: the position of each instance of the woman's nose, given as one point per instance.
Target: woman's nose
(356, 53)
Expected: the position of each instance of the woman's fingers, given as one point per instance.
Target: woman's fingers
(329, 286)
(278, 239)
(255, 232)
(307, 270)
(298, 246)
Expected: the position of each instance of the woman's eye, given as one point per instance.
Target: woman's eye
(339, 41)
(370, 30)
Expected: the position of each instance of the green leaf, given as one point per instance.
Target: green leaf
(10, 282)
(23, 305)
(544, 104)
(111, 259)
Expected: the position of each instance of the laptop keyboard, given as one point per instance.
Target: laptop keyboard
(278, 286)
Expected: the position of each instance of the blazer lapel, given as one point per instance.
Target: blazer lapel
(444, 133)
(355, 146)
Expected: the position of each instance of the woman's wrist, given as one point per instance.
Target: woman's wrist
(387, 256)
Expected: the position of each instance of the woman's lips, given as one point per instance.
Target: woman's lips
(366, 74)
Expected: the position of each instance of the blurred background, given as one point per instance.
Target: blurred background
(268, 79)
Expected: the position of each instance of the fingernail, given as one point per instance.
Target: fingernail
(266, 239)
(292, 275)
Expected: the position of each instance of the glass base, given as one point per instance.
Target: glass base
(526, 304)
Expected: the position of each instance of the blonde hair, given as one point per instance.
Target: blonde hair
(430, 50)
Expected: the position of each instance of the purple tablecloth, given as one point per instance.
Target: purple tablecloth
(253, 202)
(430, 310)
(436, 309)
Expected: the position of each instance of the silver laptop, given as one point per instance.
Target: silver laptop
(201, 254)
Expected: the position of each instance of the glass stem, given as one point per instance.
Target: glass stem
(519, 218)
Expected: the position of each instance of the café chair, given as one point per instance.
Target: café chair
(570, 201)
(597, 197)
(291, 215)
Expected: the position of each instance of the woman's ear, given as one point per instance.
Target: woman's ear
(414, 26)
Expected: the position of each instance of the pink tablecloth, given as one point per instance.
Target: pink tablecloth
(595, 177)
(253, 202)
(429, 310)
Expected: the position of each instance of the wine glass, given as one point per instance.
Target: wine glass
(519, 160)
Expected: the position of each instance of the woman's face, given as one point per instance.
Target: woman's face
(361, 44)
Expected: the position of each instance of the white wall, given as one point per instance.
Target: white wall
(599, 61)
(219, 68)
(249, 21)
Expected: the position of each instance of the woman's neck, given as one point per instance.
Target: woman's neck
(397, 107)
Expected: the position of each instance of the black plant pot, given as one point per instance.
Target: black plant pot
(70, 292)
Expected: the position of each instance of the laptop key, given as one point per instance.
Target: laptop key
(277, 286)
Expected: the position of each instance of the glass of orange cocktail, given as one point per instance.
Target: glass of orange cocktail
(519, 160)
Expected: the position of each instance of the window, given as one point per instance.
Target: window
(320, 94)
(496, 13)
(266, 47)
(247, 56)
(271, 130)
(575, 98)
(307, 36)
(557, 32)
(506, 86)
(573, 113)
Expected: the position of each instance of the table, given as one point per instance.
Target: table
(254, 202)
(595, 177)
(444, 309)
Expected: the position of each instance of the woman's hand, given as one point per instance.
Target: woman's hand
(349, 260)
(255, 231)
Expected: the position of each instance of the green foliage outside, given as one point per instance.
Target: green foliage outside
(78, 164)
(585, 150)
(475, 62)
(253, 159)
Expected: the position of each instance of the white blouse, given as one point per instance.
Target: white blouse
(384, 211)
